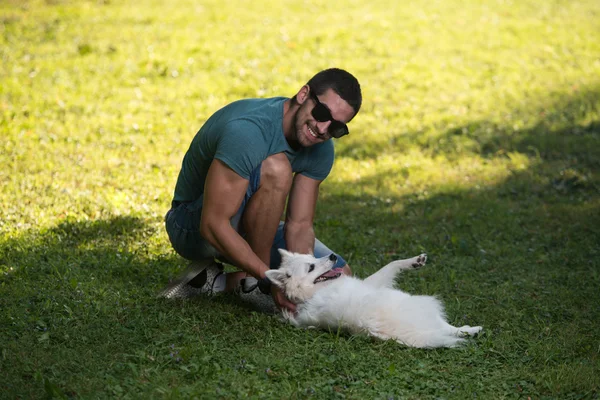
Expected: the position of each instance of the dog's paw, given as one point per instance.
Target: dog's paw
(469, 330)
(419, 261)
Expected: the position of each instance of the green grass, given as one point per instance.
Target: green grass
(478, 142)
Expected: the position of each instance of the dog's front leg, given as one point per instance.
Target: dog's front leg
(386, 275)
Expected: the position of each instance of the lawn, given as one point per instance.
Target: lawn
(478, 143)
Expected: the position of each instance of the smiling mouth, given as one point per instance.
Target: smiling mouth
(329, 275)
(311, 132)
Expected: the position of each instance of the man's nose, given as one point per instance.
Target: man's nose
(323, 127)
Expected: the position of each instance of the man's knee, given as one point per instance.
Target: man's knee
(276, 173)
(346, 270)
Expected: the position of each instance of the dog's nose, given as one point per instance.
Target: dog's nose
(333, 257)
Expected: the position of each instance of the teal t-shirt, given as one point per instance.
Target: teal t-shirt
(243, 134)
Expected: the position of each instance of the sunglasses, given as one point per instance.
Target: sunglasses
(321, 113)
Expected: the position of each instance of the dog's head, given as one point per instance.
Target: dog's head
(300, 275)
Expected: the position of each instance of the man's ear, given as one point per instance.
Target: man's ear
(302, 94)
(276, 277)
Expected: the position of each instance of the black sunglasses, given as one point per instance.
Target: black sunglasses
(321, 113)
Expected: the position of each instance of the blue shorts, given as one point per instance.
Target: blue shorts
(183, 227)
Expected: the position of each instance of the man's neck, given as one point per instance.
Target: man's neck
(289, 116)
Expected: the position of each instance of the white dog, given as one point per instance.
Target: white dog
(328, 299)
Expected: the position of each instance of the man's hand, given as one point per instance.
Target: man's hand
(282, 302)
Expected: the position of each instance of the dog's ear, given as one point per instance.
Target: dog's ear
(277, 277)
(284, 253)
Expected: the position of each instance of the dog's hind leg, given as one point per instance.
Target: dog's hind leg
(463, 331)
(386, 275)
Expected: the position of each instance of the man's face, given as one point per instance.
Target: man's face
(309, 131)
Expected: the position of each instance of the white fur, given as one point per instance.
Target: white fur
(369, 306)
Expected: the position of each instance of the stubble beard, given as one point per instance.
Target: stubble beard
(300, 139)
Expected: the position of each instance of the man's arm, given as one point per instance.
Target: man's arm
(302, 204)
(224, 192)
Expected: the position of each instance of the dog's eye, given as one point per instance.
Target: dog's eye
(311, 267)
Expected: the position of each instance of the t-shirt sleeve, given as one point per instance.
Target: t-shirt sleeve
(241, 146)
(318, 161)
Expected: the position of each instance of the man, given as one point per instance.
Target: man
(247, 159)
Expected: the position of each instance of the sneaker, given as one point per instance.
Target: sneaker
(249, 292)
(198, 278)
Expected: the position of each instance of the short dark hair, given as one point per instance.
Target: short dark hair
(340, 81)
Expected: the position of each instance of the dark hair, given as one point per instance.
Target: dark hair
(340, 81)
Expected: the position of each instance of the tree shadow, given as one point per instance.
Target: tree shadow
(77, 232)
(110, 251)
(527, 246)
(523, 252)
(560, 186)
(555, 201)
(563, 129)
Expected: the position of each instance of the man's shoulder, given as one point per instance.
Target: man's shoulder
(246, 117)
(271, 108)
(250, 134)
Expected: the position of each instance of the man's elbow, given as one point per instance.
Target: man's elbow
(346, 270)
(208, 230)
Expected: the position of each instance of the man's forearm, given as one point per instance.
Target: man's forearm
(235, 249)
(299, 238)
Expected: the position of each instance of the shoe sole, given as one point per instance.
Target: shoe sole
(193, 270)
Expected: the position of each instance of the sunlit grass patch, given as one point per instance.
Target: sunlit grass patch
(410, 172)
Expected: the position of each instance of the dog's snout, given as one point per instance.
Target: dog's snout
(333, 257)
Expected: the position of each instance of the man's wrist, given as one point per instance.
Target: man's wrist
(264, 285)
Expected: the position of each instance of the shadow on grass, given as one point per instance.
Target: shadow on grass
(560, 131)
(80, 232)
(521, 255)
(551, 206)
(534, 234)
(558, 194)
(111, 251)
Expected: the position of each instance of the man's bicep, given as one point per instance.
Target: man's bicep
(224, 191)
(302, 201)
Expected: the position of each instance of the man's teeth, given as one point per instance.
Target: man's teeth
(311, 132)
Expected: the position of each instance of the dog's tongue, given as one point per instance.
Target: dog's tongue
(331, 273)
